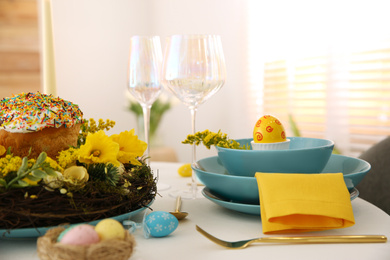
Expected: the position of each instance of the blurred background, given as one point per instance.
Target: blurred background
(321, 67)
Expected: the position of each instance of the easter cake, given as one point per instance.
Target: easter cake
(32, 123)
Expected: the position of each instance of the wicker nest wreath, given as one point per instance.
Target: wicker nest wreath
(104, 176)
(39, 207)
(113, 249)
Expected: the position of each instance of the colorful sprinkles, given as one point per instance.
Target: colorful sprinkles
(34, 111)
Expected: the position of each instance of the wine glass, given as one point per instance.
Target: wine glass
(194, 70)
(144, 68)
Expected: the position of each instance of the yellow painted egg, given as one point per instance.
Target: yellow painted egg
(185, 170)
(110, 229)
(269, 129)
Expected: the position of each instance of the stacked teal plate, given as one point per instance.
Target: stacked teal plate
(253, 209)
(243, 190)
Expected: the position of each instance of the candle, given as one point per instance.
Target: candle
(47, 49)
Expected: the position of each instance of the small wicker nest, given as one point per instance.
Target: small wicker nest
(112, 249)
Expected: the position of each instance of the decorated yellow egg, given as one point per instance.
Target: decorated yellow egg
(110, 229)
(269, 129)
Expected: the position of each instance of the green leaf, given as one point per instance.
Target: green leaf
(49, 171)
(41, 158)
(136, 108)
(23, 167)
(21, 184)
(39, 173)
(17, 186)
(294, 126)
(33, 178)
(3, 182)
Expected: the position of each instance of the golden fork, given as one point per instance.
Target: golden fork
(296, 240)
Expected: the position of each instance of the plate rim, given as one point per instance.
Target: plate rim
(40, 231)
(246, 207)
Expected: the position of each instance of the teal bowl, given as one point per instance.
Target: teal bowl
(305, 155)
(214, 176)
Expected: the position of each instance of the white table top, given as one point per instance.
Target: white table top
(187, 243)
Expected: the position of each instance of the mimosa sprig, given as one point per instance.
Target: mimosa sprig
(209, 138)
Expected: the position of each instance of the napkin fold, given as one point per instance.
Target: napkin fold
(292, 203)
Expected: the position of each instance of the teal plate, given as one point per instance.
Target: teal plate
(214, 176)
(253, 209)
(36, 232)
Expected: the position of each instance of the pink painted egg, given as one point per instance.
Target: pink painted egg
(81, 235)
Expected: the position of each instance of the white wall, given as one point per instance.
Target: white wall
(91, 49)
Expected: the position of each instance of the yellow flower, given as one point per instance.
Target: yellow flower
(68, 157)
(53, 164)
(99, 148)
(9, 164)
(2, 150)
(130, 147)
(76, 175)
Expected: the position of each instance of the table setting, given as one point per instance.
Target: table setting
(230, 225)
(269, 195)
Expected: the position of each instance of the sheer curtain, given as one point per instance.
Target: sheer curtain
(324, 64)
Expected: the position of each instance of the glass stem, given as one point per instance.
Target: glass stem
(193, 180)
(146, 113)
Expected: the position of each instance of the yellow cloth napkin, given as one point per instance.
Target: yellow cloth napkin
(303, 202)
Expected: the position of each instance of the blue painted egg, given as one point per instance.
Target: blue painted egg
(161, 223)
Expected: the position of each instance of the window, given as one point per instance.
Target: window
(19, 47)
(335, 88)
